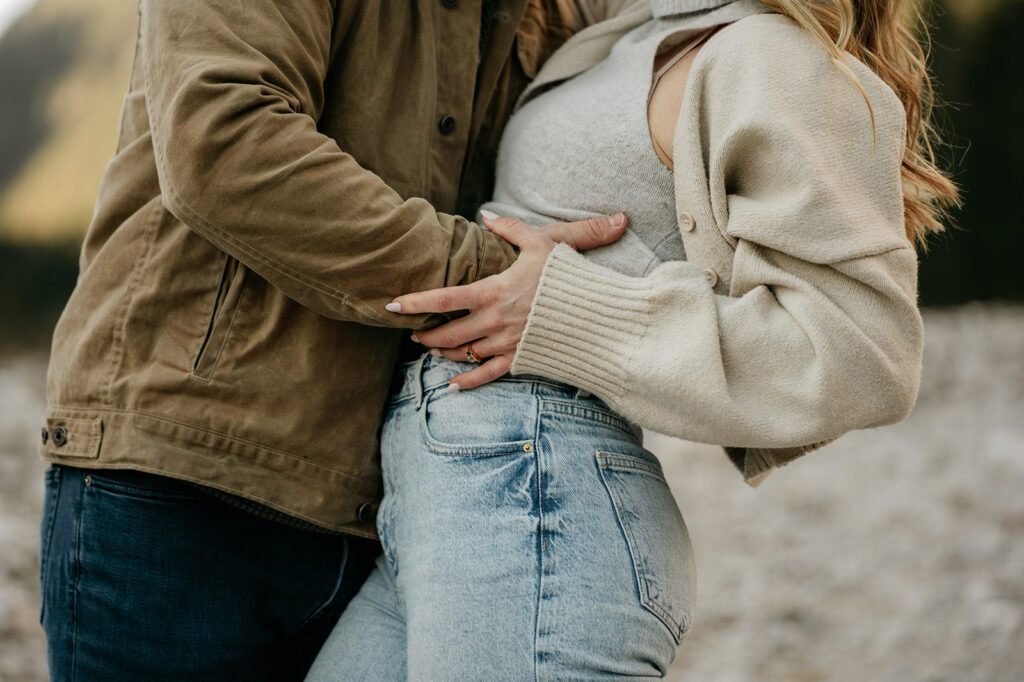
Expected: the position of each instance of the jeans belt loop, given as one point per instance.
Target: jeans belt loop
(421, 368)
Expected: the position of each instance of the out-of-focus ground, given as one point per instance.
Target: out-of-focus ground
(22, 656)
(892, 555)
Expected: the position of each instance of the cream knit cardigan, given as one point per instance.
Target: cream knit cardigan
(795, 317)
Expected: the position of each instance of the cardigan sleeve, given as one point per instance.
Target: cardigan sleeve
(819, 331)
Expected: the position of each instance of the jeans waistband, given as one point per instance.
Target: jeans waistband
(428, 372)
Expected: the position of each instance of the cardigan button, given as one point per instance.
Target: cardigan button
(711, 276)
(686, 222)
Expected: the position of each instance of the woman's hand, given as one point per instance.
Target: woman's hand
(499, 305)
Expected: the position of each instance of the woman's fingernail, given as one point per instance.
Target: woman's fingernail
(393, 307)
(452, 388)
(489, 215)
(435, 352)
(415, 338)
(618, 220)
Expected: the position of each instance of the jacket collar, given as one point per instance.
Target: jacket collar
(664, 8)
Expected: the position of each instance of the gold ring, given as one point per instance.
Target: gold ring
(471, 356)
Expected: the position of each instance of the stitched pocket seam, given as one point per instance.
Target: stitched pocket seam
(605, 461)
(471, 449)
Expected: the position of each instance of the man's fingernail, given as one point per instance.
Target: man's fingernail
(435, 352)
(489, 215)
(452, 388)
(415, 338)
(618, 220)
(393, 307)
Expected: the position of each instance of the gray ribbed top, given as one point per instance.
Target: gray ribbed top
(583, 149)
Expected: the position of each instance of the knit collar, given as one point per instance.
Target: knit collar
(664, 8)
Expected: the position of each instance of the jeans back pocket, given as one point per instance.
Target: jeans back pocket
(656, 535)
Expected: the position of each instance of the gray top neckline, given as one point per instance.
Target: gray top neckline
(583, 149)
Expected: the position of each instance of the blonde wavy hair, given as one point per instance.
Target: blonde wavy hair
(881, 34)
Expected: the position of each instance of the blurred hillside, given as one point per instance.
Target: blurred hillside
(65, 71)
(64, 68)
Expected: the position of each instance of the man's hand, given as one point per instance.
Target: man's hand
(499, 305)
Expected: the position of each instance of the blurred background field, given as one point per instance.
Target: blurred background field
(895, 554)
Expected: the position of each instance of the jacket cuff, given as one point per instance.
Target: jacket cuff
(578, 329)
(496, 254)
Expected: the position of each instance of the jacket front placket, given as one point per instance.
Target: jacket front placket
(457, 39)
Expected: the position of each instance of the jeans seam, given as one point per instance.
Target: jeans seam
(540, 542)
(676, 629)
(77, 574)
(319, 610)
(593, 414)
(614, 461)
(44, 549)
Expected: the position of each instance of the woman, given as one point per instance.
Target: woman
(763, 299)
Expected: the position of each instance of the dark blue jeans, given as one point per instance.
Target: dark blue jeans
(148, 578)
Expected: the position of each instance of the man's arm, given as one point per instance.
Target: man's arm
(234, 91)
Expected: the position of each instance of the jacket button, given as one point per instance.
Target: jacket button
(450, 4)
(446, 125)
(686, 222)
(46, 435)
(60, 436)
(711, 276)
(365, 512)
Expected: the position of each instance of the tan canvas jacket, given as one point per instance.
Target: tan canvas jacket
(284, 168)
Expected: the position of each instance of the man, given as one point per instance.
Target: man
(283, 170)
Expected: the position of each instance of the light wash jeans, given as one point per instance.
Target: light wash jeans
(527, 536)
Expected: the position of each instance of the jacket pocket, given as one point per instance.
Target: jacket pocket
(485, 422)
(222, 316)
(659, 544)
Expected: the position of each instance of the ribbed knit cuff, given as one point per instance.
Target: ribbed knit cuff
(754, 463)
(584, 325)
(757, 463)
